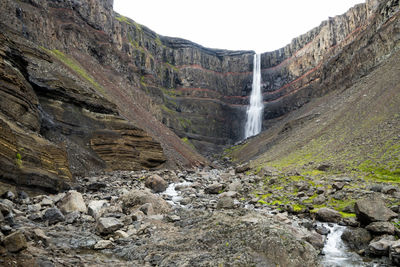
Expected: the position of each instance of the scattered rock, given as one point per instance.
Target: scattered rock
(173, 218)
(135, 198)
(72, 217)
(242, 168)
(53, 216)
(39, 234)
(389, 189)
(156, 183)
(372, 210)
(380, 228)
(328, 215)
(73, 201)
(394, 253)
(215, 188)
(95, 208)
(120, 234)
(147, 209)
(103, 244)
(108, 225)
(356, 238)
(338, 185)
(8, 195)
(381, 246)
(225, 202)
(322, 230)
(15, 242)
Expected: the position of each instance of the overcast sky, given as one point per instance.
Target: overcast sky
(260, 25)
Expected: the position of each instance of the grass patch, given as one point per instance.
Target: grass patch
(123, 19)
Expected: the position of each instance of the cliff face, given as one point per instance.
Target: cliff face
(107, 93)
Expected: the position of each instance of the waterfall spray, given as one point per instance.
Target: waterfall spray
(256, 107)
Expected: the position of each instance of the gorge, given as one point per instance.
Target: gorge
(99, 110)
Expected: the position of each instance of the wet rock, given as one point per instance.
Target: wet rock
(73, 201)
(356, 238)
(215, 188)
(156, 183)
(381, 246)
(108, 225)
(225, 202)
(95, 208)
(322, 230)
(135, 198)
(381, 228)
(373, 210)
(394, 253)
(53, 216)
(328, 215)
(15, 242)
(103, 244)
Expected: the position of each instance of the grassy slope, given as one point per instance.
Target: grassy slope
(356, 130)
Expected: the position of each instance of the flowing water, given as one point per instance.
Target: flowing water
(256, 107)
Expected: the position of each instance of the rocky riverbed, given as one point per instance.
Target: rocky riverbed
(201, 217)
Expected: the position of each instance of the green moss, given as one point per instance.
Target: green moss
(186, 141)
(263, 202)
(123, 19)
(298, 208)
(18, 160)
(171, 66)
(75, 66)
(347, 215)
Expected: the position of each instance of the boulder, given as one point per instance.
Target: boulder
(338, 185)
(372, 210)
(316, 240)
(156, 183)
(328, 215)
(356, 238)
(15, 242)
(73, 201)
(225, 202)
(394, 253)
(380, 247)
(215, 188)
(108, 225)
(136, 198)
(95, 208)
(53, 216)
(380, 228)
(242, 168)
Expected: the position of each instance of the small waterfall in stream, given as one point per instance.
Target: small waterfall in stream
(256, 107)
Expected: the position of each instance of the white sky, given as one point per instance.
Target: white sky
(260, 25)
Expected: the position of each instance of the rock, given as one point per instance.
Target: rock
(108, 225)
(73, 201)
(372, 210)
(242, 168)
(235, 186)
(268, 171)
(320, 199)
(147, 209)
(46, 201)
(328, 215)
(356, 238)
(215, 188)
(120, 234)
(96, 186)
(338, 185)
(138, 215)
(394, 253)
(380, 228)
(173, 218)
(103, 244)
(8, 195)
(381, 246)
(322, 230)
(95, 208)
(316, 240)
(72, 217)
(349, 209)
(15, 242)
(136, 198)
(225, 202)
(38, 234)
(389, 189)
(156, 183)
(324, 167)
(231, 194)
(53, 216)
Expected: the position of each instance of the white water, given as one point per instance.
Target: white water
(173, 194)
(336, 253)
(255, 110)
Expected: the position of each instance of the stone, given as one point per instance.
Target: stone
(136, 198)
(95, 208)
(73, 201)
(316, 240)
(356, 238)
(380, 228)
(103, 244)
(372, 210)
(53, 216)
(39, 235)
(381, 246)
(108, 225)
(242, 168)
(322, 230)
(320, 199)
(15, 242)
(137, 216)
(96, 186)
(173, 218)
(214, 188)
(8, 195)
(225, 202)
(72, 217)
(120, 234)
(156, 183)
(338, 185)
(394, 253)
(328, 215)
(46, 201)
(390, 189)
(147, 209)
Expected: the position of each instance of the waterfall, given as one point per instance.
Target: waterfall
(256, 107)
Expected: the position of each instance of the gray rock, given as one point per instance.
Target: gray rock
(215, 188)
(108, 225)
(328, 215)
(338, 185)
(320, 199)
(381, 228)
(136, 198)
(381, 246)
(356, 238)
(95, 208)
(103, 244)
(372, 210)
(72, 201)
(225, 202)
(394, 253)
(72, 217)
(322, 230)
(242, 168)
(53, 215)
(389, 189)
(15, 242)
(147, 209)
(316, 240)
(156, 183)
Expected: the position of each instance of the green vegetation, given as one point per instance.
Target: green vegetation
(186, 141)
(75, 66)
(18, 160)
(123, 19)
